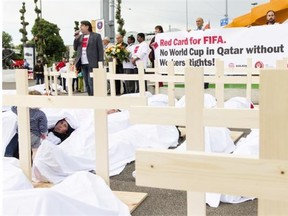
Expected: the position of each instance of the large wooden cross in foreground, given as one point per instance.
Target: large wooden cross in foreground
(265, 177)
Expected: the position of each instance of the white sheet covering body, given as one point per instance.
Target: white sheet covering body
(216, 139)
(55, 162)
(13, 177)
(219, 140)
(9, 126)
(245, 146)
(82, 193)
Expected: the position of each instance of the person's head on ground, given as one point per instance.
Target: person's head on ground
(158, 29)
(62, 129)
(131, 39)
(140, 37)
(61, 126)
(111, 111)
(85, 27)
(270, 17)
(34, 92)
(199, 23)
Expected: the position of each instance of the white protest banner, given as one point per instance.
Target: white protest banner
(264, 44)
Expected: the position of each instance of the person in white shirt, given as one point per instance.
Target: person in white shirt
(141, 52)
(129, 67)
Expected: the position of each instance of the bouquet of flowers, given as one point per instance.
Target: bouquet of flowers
(119, 52)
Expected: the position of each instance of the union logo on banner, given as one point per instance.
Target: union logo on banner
(259, 64)
(99, 25)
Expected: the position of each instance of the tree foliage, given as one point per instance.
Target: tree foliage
(37, 10)
(119, 19)
(6, 40)
(24, 38)
(49, 43)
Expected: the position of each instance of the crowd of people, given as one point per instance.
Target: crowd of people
(88, 56)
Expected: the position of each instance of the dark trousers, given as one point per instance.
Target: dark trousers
(73, 84)
(12, 149)
(131, 85)
(63, 84)
(39, 79)
(87, 79)
(119, 70)
(137, 83)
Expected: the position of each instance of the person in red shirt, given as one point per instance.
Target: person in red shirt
(60, 66)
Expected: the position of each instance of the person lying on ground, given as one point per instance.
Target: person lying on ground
(38, 130)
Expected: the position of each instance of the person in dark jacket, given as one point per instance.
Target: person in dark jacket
(39, 72)
(89, 49)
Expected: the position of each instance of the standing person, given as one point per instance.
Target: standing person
(26, 64)
(39, 72)
(75, 80)
(119, 65)
(140, 53)
(80, 80)
(200, 27)
(38, 130)
(61, 67)
(158, 29)
(270, 17)
(129, 67)
(199, 24)
(89, 49)
(107, 59)
(106, 45)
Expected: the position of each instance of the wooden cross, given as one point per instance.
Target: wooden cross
(100, 103)
(52, 75)
(265, 178)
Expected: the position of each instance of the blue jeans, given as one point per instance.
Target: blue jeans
(39, 79)
(12, 149)
(87, 79)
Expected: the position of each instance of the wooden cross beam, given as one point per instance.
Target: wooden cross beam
(98, 103)
(218, 75)
(52, 74)
(212, 117)
(265, 178)
(224, 76)
(69, 75)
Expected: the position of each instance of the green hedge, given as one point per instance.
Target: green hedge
(236, 86)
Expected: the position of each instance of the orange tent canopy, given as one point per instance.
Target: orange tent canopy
(257, 16)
